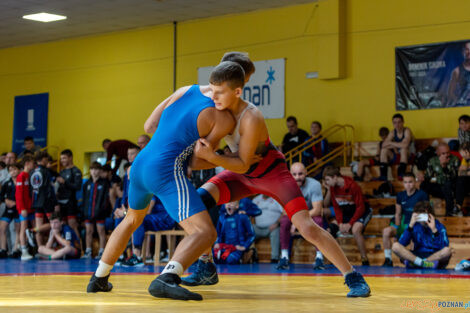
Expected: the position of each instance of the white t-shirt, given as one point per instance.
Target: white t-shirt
(312, 191)
(271, 209)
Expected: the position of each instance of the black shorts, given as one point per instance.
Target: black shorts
(69, 210)
(364, 219)
(10, 214)
(43, 211)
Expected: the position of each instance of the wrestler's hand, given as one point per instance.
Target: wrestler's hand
(240, 248)
(255, 159)
(203, 149)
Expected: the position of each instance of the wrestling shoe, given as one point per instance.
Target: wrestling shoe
(387, 263)
(318, 265)
(99, 284)
(133, 261)
(430, 264)
(167, 286)
(357, 285)
(25, 256)
(205, 274)
(86, 255)
(283, 264)
(30, 237)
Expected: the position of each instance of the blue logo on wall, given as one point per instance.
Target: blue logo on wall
(260, 95)
(270, 73)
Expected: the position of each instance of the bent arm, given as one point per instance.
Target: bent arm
(316, 208)
(405, 142)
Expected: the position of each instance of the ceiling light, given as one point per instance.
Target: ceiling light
(44, 17)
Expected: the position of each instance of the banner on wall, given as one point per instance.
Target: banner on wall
(266, 88)
(433, 76)
(30, 119)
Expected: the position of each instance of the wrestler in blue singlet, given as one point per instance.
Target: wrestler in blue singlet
(160, 168)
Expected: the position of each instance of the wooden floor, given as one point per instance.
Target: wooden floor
(234, 293)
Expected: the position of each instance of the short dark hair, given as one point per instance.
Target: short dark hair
(105, 141)
(398, 115)
(134, 148)
(409, 174)
(230, 72)
(28, 138)
(465, 146)
(331, 171)
(126, 166)
(41, 155)
(26, 158)
(55, 216)
(67, 152)
(317, 123)
(242, 59)
(3, 164)
(464, 118)
(383, 131)
(15, 165)
(423, 207)
(96, 165)
(106, 168)
(292, 119)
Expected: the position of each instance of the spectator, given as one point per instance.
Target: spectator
(10, 158)
(359, 174)
(463, 179)
(95, 198)
(3, 157)
(142, 141)
(117, 148)
(7, 196)
(4, 175)
(43, 195)
(157, 219)
(70, 182)
(430, 243)
(464, 129)
(352, 212)
(114, 181)
(320, 149)
(295, 137)
(23, 204)
(29, 146)
(312, 192)
(406, 201)
(267, 224)
(63, 242)
(396, 148)
(234, 235)
(440, 178)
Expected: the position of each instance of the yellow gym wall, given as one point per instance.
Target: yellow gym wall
(106, 85)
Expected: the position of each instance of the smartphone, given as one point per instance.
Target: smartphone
(422, 217)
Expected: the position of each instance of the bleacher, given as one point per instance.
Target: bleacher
(458, 228)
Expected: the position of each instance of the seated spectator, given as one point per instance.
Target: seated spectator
(29, 146)
(406, 201)
(267, 224)
(117, 148)
(464, 129)
(430, 243)
(157, 219)
(396, 148)
(142, 141)
(352, 211)
(235, 235)
(95, 198)
(294, 138)
(359, 173)
(10, 214)
(319, 149)
(312, 192)
(441, 176)
(63, 242)
(23, 204)
(463, 179)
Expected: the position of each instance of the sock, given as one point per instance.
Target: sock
(24, 249)
(88, 250)
(384, 170)
(418, 261)
(388, 254)
(349, 272)
(173, 267)
(285, 254)
(101, 251)
(319, 255)
(401, 169)
(103, 269)
(206, 258)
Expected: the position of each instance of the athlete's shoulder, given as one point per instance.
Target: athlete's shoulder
(252, 114)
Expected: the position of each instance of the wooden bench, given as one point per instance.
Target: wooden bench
(172, 234)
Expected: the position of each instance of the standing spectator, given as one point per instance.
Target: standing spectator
(70, 182)
(267, 224)
(9, 159)
(406, 201)
(23, 204)
(7, 196)
(95, 198)
(117, 148)
(352, 212)
(234, 235)
(430, 243)
(63, 242)
(463, 180)
(397, 147)
(441, 176)
(464, 129)
(319, 149)
(312, 192)
(30, 146)
(42, 194)
(142, 141)
(4, 175)
(295, 137)
(359, 174)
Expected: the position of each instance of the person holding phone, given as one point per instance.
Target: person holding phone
(430, 243)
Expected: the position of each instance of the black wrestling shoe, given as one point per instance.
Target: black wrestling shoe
(99, 284)
(167, 286)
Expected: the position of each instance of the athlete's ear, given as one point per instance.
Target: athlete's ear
(238, 92)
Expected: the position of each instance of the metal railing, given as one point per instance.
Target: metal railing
(344, 149)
